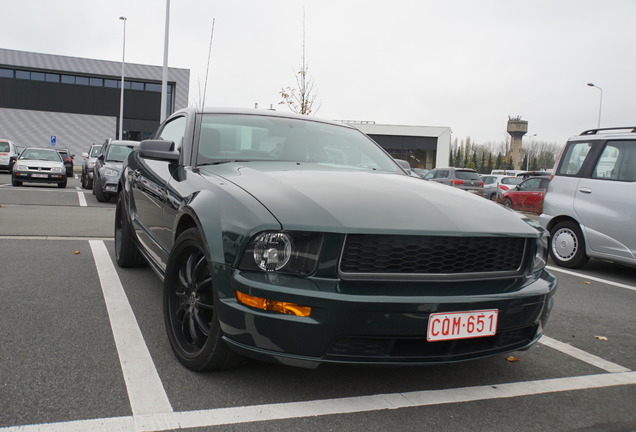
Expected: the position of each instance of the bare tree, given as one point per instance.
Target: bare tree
(302, 98)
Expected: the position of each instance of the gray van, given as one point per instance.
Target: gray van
(590, 206)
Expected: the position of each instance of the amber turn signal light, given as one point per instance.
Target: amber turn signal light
(273, 305)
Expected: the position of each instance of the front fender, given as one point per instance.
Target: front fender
(227, 217)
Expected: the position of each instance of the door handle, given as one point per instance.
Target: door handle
(585, 190)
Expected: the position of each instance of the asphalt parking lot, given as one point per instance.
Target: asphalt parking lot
(83, 347)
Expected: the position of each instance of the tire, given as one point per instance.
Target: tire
(507, 202)
(567, 245)
(14, 182)
(126, 252)
(191, 321)
(99, 193)
(63, 184)
(493, 196)
(89, 182)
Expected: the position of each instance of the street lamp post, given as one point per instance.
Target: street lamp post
(121, 99)
(528, 152)
(600, 104)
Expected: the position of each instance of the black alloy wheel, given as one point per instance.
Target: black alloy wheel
(193, 327)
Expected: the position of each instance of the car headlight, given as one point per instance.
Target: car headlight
(57, 169)
(91, 164)
(108, 172)
(283, 251)
(20, 167)
(540, 259)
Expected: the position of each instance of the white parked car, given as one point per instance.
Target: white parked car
(37, 165)
(590, 206)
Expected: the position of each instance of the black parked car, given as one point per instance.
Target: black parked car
(67, 157)
(284, 238)
(108, 167)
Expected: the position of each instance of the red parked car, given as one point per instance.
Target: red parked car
(527, 195)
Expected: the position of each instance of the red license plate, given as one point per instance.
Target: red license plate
(40, 175)
(462, 325)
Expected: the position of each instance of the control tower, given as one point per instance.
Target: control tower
(517, 128)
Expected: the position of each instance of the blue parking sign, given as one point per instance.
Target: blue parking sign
(53, 140)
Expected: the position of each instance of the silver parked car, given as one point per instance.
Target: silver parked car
(88, 164)
(37, 165)
(590, 206)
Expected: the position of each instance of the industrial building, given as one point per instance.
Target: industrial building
(422, 146)
(73, 102)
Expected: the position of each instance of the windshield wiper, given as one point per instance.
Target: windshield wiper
(219, 162)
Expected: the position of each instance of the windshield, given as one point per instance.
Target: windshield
(118, 153)
(40, 154)
(4, 147)
(230, 137)
(95, 150)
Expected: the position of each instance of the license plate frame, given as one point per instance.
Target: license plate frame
(40, 175)
(446, 326)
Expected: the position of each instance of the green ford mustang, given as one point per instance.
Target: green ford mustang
(301, 241)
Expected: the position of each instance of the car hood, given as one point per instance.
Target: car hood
(317, 199)
(41, 163)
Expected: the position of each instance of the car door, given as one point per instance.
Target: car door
(529, 194)
(605, 201)
(149, 183)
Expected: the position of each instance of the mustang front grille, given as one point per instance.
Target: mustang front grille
(389, 256)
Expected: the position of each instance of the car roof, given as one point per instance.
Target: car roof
(258, 112)
(626, 132)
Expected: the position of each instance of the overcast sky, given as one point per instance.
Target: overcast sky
(465, 64)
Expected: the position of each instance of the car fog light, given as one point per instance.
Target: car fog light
(273, 305)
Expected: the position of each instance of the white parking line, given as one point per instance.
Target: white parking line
(280, 411)
(583, 355)
(82, 198)
(145, 390)
(581, 275)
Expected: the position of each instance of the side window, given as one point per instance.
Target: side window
(573, 159)
(429, 175)
(173, 131)
(617, 162)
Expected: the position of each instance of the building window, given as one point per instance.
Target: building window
(137, 85)
(6, 73)
(81, 80)
(23, 74)
(153, 87)
(68, 79)
(111, 83)
(96, 82)
(37, 76)
(52, 78)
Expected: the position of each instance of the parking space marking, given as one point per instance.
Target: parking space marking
(583, 355)
(290, 410)
(145, 389)
(581, 275)
(82, 198)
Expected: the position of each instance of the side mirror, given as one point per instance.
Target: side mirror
(101, 157)
(85, 154)
(160, 150)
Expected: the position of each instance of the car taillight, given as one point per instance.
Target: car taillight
(457, 182)
(481, 184)
(504, 187)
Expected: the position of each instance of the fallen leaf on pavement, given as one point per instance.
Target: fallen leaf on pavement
(513, 359)
(76, 252)
(600, 337)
